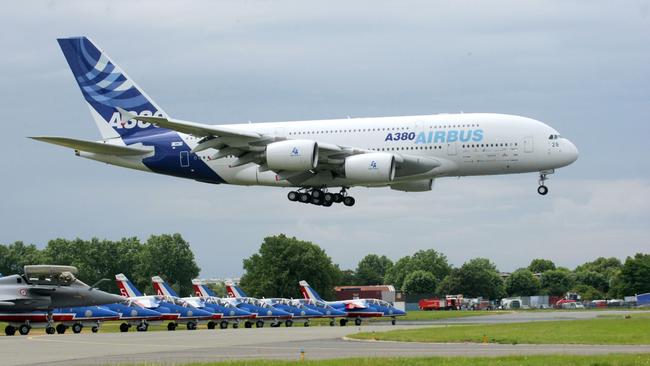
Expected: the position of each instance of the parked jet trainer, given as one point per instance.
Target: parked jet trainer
(315, 158)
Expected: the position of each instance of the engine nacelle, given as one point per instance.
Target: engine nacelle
(421, 185)
(370, 168)
(293, 155)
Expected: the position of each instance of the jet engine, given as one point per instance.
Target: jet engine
(421, 185)
(370, 168)
(293, 155)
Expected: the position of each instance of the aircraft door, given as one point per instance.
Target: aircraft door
(528, 144)
(451, 148)
(185, 159)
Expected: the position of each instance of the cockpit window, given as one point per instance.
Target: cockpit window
(554, 137)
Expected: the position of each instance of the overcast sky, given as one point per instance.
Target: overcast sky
(582, 67)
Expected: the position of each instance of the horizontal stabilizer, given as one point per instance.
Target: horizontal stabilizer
(94, 147)
(192, 128)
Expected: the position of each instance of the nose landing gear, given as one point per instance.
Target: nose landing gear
(542, 189)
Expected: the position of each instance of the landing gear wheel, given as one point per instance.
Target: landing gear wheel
(191, 326)
(317, 194)
(327, 203)
(9, 330)
(357, 321)
(288, 323)
(24, 329)
(50, 330)
(543, 190)
(332, 323)
(248, 325)
(211, 325)
(338, 198)
(259, 324)
(348, 201)
(77, 327)
(142, 327)
(393, 321)
(543, 177)
(306, 324)
(292, 196)
(124, 327)
(234, 325)
(343, 322)
(316, 201)
(94, 329)
(328, 197)
(61, 328)
(224, 324)
(304, 198)
(171, 326)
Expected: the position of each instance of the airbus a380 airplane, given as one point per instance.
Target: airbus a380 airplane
(313, 157)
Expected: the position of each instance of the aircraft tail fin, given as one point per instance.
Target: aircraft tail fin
(308, 292)
(127, 289)
(105, 86)
(162, 288)
(201, 289)
(234, 290)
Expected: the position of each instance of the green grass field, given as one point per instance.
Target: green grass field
(600, 360)
(603, 330)
(437, 315)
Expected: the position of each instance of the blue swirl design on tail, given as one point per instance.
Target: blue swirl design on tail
(105, 86)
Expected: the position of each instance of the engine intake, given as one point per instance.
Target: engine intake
(293, 155)
(370, 168)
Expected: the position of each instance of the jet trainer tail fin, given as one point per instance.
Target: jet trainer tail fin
(202, 290)
(308, 292)
(234, 290)
(162, 288)
(105, 87)
(127, 289)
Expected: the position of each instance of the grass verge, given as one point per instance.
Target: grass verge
(634, 329)
(538, 360)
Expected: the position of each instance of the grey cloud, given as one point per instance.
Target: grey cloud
(580, 67)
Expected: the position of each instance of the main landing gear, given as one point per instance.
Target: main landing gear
(542, 189)
(319, 197)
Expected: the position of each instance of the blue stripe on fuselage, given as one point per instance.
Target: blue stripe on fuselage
(167, 158)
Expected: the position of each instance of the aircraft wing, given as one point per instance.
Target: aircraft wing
(93, 146)
(247, 146)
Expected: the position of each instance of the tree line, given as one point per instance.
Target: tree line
(166, 255)
(281, 261)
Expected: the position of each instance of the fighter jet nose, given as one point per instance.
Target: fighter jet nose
(100, 297)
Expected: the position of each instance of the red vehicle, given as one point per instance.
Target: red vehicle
(432, 304)
(450, 302)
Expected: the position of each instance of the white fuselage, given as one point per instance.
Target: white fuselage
(461, 144)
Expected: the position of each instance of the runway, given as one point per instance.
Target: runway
(270, 343)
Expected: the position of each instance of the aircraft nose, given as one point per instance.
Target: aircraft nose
(100, 297)
(571, 152)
